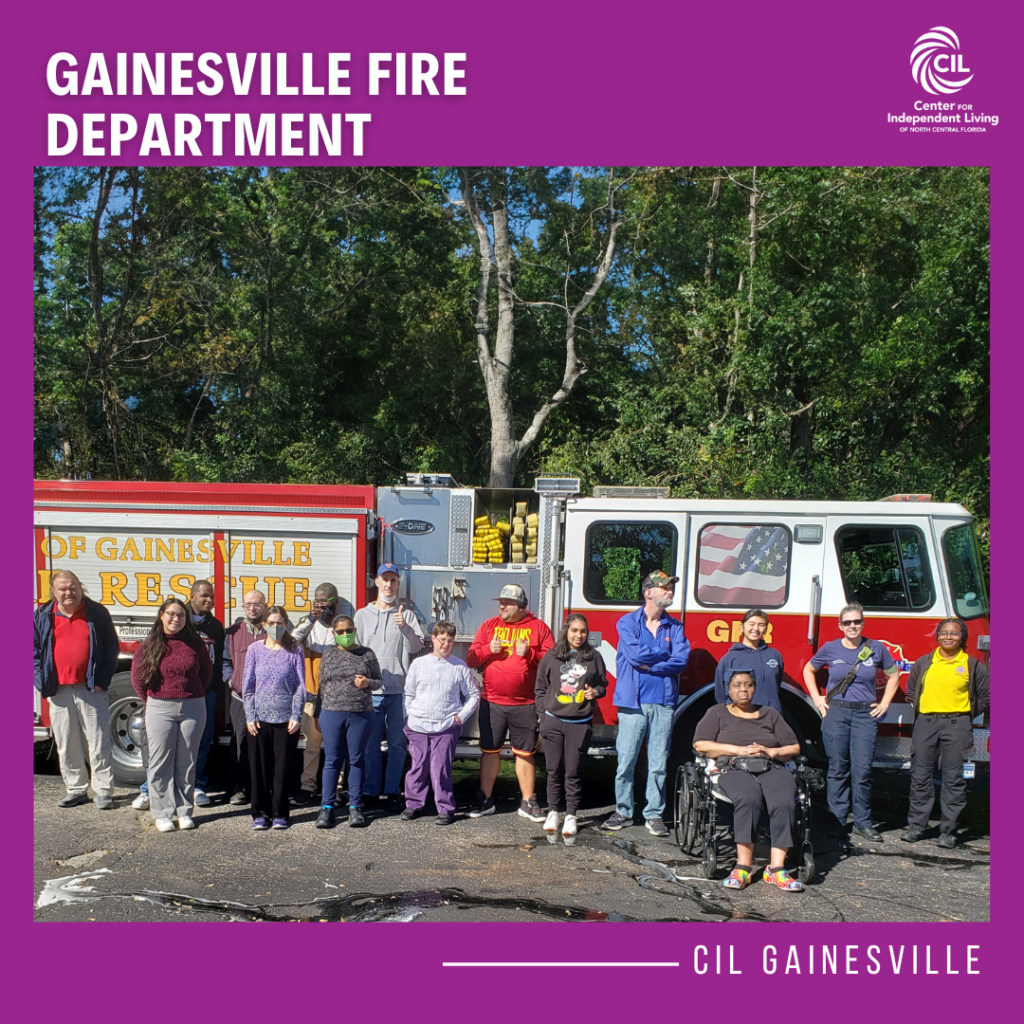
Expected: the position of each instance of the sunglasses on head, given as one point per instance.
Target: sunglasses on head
(851, 622)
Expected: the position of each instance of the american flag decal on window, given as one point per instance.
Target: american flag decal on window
(743, 565)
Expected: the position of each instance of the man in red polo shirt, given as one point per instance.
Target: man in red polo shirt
(76, 648)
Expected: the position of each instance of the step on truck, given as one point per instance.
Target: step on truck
(910, 562)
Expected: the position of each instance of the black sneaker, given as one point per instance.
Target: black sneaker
(73, 800)
(392, 801)
(531, 809)
(305, 797)
(356, 818)
(325, 819)
(912, 834)
(946, 840)
(238, 799)
(409, 813)
(615, 822)
(483, 806)
(443, 819)
(656, 827)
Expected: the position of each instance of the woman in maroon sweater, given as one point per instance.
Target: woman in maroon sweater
(171, 672)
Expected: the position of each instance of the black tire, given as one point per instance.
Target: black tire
(682, 806)
(124, 719)
(693, 820)
(710, 858)
(808, 869)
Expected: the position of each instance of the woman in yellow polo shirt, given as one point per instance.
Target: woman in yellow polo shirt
(947, 688)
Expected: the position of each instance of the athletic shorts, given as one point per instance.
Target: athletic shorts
(519, 721)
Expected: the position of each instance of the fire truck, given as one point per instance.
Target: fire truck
(909, 561)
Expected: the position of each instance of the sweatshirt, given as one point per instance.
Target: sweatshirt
(394, 647)
(509, 679)
(436, 691)
(338, 670)
(764, 663)
(560, 685)
(184, 672)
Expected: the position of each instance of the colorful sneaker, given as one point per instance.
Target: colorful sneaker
(739, 878)
(782, 879)
(280, 824)
(551, 822)
(260, 824)
(569, 826)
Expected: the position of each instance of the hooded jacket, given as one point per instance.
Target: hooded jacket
(394, 647)
(764, 663)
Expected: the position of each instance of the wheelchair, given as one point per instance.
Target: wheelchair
(697, 800)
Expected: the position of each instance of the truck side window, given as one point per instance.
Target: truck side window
(743, 565)
(885, 567)
(620, 555)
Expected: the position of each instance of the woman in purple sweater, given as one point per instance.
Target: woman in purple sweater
(273, 692)
(171, 672)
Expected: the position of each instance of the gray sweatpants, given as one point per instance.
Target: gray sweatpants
(78, 717)
(174, 729)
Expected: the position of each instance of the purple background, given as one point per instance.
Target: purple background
(654, 83)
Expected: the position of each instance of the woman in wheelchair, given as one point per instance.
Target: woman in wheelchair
(747, 735)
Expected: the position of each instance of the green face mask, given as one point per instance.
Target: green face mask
(345, 639)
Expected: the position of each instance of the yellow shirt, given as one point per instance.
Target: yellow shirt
(944, 687)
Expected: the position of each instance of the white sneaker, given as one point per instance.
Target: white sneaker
(164, 825)
(569, 827)
(185, 822)
(141, 802)
(201, 799)
(551, 822)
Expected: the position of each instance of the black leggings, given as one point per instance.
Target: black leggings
(565, 750)
(270, 753)
(750, 794)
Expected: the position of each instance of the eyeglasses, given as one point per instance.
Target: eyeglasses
(950, 636)
(174, 615)
(851, 622)
(342, 632)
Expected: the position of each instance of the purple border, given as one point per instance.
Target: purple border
(654, 83)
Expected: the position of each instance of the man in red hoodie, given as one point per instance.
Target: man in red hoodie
(507, 650)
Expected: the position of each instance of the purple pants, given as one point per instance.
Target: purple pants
(432, 754)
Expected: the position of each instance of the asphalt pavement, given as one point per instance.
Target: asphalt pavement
(92, 865)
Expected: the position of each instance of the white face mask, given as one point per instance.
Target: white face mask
(389, 600)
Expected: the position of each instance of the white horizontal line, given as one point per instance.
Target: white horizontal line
(560, 963)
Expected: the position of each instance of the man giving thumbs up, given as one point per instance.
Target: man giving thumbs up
(394, 636)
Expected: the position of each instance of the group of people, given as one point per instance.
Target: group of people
(348, 681)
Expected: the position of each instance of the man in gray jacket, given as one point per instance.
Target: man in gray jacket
(394, 635)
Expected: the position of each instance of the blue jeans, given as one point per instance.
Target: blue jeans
(849, 738)
(344, 730)
(206, 742)
(388, 719)
(653, 722)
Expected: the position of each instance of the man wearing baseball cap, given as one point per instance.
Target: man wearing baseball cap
(652, 651)
(391, 631)
(507, 650)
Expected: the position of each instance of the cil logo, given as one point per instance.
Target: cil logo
(413, 526)
(935, 54)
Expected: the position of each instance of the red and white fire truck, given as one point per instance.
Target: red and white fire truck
(910, 562)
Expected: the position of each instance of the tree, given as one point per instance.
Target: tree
(492, 191)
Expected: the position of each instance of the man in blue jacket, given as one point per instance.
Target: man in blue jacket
(76, 648)
(652, 651)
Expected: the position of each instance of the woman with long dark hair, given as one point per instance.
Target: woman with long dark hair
(171, 672)
(947, 688)
(570, 678)
(273, 693)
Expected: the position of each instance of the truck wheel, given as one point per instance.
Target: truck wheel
(126, 722)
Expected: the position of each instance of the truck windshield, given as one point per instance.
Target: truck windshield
(963, 564)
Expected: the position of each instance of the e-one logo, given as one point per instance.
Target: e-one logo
(935, 54)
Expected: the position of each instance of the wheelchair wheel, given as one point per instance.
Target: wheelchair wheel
(710, 858)
(686, 813)
(808, 869)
